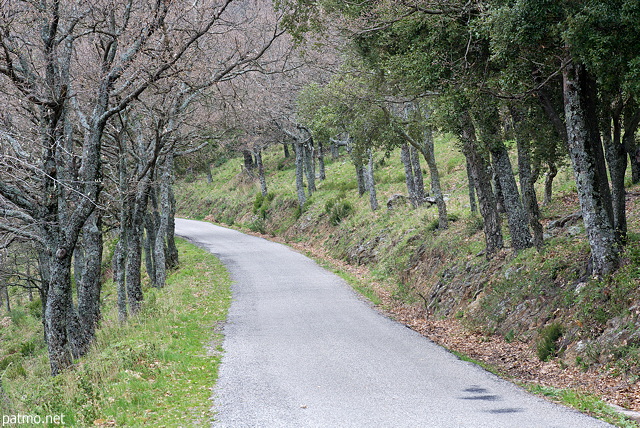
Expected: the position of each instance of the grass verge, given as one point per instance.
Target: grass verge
(156, 370)
(583, 402)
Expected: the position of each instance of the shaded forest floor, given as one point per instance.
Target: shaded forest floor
(438, 282)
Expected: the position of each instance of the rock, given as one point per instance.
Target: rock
(430, 200)
(396, 200)
(574, 230)
(509, 272)
(570, 219)
(580, 286)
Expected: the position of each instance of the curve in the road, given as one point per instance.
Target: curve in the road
(302, 350)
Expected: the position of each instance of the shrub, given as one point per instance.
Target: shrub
(510, 336)
(18, 316)
(339, 211)
(258, 225)
(433, 225)
(261, 204)
(329, 206)
(34, 308)
(30, 347)
(547, 345)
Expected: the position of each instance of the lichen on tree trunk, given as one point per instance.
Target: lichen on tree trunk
(481, 178)
(585, 149)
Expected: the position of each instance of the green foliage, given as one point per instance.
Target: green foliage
(432, 225)
(547, 346)
(258, 225)
(341, 186)
(602, 300)
(31, 346)
(338, 210)
(261, 204)
(510, 336)
(9, 360)
(34, 308)
(18, 315)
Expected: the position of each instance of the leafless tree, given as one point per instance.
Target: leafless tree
(68, 69)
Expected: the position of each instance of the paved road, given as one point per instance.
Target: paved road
(302, 350)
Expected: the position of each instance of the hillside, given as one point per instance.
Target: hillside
(534, 317)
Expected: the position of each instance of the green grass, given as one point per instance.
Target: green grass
(155, 370)
(586, 403)
(487, 367)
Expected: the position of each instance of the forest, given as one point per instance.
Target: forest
(110, 106)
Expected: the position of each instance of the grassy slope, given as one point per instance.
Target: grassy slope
(155, 370)
(441, 271)
(420, 264)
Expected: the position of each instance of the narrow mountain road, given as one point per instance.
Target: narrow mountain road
(303, 350)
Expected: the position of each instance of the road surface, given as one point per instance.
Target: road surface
(303, 350)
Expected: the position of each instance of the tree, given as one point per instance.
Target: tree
(97, 61)
(588, 44)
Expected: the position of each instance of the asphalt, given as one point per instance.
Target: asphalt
(302, 349)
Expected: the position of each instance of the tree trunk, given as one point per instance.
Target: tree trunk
(472, 189)
(418, 178)
(585, 149)
(323, 174)
(516, 215)
(309, 166)
(428, 151)
(160, 244)
(405, 157)
(497, 186)
(133, 266)
(248, 160)
(548, 183)
(617, 162)
(334, 151)
(300, 174)
(362, 185)
(149, 242)
(263, 180)
(631, 123)
(57, 315)
(481, 178)
(90, 286)
(207, 168)
(356, 158)
(119, 274)
(634, 161)
(370, 182)
(172, 250)
(119, 256)
(7, 299)
(529, 198)
(286, 150)
(134, 247)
